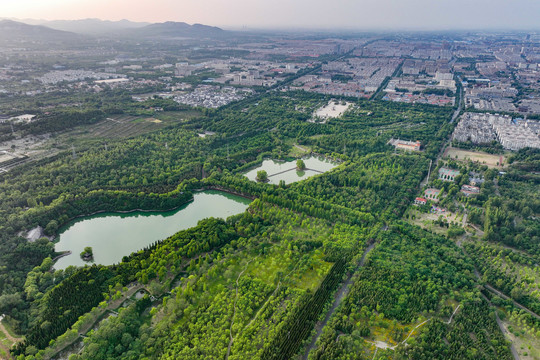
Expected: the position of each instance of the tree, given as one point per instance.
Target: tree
(51, 227)
(300, 165)
(262, 176)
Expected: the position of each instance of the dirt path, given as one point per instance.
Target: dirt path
(503, 329)
(6, 350)
(384, 345)
(9, 337)
(451, 317)
(515, 354)
(408, 336)
(340, 295)
(267, 300)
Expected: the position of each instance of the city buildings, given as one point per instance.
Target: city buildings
(512, 133)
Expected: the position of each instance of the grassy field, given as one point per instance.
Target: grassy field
(491, 160)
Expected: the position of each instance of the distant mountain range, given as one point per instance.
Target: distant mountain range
(87, 26)
(13, 30)
(179, 29)
(122, 28)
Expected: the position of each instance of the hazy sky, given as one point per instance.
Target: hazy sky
(359, 14)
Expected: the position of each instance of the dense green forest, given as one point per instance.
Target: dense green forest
(259, 284)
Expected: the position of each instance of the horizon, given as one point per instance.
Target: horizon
(366, 15)
(43, 22)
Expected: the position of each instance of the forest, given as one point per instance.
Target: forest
(262, 284)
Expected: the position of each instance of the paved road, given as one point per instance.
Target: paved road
(460, 103)
(455, 115)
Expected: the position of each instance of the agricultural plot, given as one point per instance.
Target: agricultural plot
(491, 160)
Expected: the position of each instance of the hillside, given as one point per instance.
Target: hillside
(17, 31)
(178, 29)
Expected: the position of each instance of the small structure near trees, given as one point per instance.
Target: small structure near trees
(87, 254)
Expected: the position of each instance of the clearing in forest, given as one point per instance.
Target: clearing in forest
(333, 109)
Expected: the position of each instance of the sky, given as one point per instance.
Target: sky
(294, 14)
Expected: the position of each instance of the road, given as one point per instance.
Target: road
(497, 292)
(455, 115)
(460, 103)
(340, 295)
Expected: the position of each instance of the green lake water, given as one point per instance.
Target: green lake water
(290, 173)
(114, 235)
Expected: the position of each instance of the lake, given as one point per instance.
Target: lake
(114, 235)
(281, 170)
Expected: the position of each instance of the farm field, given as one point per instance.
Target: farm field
(491, 160)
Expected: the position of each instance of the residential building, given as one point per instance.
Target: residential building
(447, 174)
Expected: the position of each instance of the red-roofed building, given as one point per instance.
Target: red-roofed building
(420, 201)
